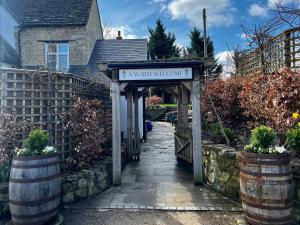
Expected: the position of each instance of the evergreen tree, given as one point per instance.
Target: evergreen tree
(162, 44)
(197, 50)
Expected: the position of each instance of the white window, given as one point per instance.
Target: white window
(57, 56)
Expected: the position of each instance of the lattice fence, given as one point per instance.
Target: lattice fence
(41, 97)
(283, 51)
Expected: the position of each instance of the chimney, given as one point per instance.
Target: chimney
(119, 37)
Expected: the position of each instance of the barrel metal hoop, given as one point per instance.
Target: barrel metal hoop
(261, 162)
(37, 180)
(260, 179)
(259, 206)
(262, 200)
(244, 172)
(35, 166)
(35, 203)
(35, 215)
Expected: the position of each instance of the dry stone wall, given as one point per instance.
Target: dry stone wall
(221, 169)
(87, 183)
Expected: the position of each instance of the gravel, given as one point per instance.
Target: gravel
(151, 217)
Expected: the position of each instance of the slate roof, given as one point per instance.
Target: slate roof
(8, 54)
(49, 12)
(119, 51)
(78, 69)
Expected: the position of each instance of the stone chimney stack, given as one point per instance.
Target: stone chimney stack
(119, 37)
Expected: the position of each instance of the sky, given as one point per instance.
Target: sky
(134, 17)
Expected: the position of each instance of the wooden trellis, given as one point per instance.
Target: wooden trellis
(283, 51)
(28, 94)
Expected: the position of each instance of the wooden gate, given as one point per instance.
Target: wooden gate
(184, 144)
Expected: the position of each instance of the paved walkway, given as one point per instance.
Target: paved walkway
(157, 182)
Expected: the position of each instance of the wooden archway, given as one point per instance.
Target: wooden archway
(128, 77)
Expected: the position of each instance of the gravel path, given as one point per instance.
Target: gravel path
(124, 217)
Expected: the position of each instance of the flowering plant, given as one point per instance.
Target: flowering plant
(36, 144)
(270, 150)
(263, 141)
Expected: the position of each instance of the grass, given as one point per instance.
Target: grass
(168, 105)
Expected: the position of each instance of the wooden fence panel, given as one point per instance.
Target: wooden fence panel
(28, 94)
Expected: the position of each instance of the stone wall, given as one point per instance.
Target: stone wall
(4, 209)
(221, 169)
(87, 183)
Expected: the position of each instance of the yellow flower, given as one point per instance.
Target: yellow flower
(299, 124)
(295, 115)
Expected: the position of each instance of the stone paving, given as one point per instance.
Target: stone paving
(158, 182)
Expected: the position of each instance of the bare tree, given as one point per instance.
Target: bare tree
(108, 31)
(260, 39)
(289, 15)
(235, 57)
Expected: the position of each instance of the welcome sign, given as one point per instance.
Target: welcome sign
(156, 74)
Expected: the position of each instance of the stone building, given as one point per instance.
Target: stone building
(67, 36)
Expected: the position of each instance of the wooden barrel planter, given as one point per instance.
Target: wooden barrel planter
(266, 185)
(296, 212)
(34, 189)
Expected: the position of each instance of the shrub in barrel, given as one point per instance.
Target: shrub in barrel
(293, 143)
(266, 181)
(35, 182)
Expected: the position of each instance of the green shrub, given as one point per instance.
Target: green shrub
(37, 140)
(36, 144)
(263, 140)
(293, 139)
(262, 137)
(216, 130)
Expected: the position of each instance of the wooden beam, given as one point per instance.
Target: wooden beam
(129, 124)
(197, 148)
(116, 132)
(179, 106)
(187, 84)
(123, 86)
(136, 124)
(185, 107)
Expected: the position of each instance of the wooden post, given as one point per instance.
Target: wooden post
(179, 106)
(185, 107)
(197, 148)
(129, 124)
(136, 124)
(116, 130)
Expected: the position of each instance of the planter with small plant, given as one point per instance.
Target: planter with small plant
(293, 143)
(35, 173)
(266, 181)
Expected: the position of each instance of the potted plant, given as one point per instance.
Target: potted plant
(293, 143)
(35, 183)
(266, 180)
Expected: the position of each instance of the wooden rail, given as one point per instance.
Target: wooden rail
(283, 51)
(184, 144)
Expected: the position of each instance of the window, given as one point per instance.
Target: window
(57, 56)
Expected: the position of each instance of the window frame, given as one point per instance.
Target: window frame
(57, 54)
